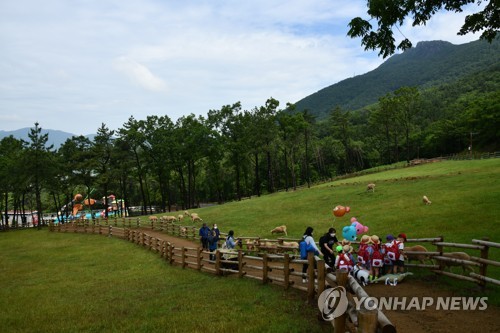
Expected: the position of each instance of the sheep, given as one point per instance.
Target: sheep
(169, 218)
(417, 248)
(153, 218)
(251, 244)
(270, 247)
(426, 200)
(183, 231)
(370, 187)
(186, 213)
(195, 217)
(460, 256)
(180, 217)
(280, 230)
(294, 246)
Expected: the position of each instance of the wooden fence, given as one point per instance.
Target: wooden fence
(282, 266)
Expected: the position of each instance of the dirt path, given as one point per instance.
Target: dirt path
(428, 320)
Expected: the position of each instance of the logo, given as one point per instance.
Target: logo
(332, 303)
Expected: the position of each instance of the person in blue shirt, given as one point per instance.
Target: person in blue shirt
(204, 233)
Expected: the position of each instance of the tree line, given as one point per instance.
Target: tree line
(232, 153)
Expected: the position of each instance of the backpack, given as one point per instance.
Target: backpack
(363, 254)
(393, 251)
(377, 258)
(304, 248)
(345, 262)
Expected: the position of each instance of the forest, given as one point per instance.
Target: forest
(230, 153)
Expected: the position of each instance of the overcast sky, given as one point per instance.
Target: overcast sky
(73, 65)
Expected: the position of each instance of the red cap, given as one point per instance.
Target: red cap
(402, 236)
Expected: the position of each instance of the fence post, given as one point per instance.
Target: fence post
(321, 276)
(110, 231)
(440, 250)
(339, 322)
(286, 271)
(310, 277)
(183, 257)
(265, 268)
(198, 258)
(217, 262)
(483, 267)
(240, 264)
(171, 253)
(367, 320)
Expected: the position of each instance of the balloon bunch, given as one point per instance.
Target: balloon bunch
(360, 229)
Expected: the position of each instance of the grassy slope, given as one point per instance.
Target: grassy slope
(465, 199)
(54, 282)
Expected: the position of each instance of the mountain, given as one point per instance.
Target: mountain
(428, 64)
(56, 137)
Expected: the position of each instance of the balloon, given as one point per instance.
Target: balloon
(339, 211)
(360, 229)
(78, 197)
(347, 209)
(353, 219)
(76, 208)
(349, 233)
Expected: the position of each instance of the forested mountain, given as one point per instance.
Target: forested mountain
(429, 64)
(56, 137)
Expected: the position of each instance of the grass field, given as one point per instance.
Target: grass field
(55, 282)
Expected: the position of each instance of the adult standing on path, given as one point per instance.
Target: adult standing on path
(204, 233)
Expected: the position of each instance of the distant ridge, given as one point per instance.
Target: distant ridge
(56, 137)
(428, 64)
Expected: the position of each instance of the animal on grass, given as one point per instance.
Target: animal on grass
(153, 218)
(186, 213)
(180, 217)
(426, 200)
(419, 257)
(459, 256)
(370, 187)
(169, 218)
(183, 231)
(195, 217)
(361, 274)
(251, 244)
(293, 246)
(279, 230)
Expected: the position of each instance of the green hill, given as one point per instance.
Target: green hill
(429, 64)
(464, 195)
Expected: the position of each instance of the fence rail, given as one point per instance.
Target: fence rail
(281, 266)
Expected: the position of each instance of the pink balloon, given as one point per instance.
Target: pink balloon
(347, 209)
(353, 219)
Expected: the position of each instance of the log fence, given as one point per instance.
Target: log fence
(280, 265)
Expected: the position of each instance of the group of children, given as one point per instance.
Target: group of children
(376, 257)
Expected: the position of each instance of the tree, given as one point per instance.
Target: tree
(39, 165)
(101, 155)
(392, 13)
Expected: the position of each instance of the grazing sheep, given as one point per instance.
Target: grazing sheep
(169, 218)
(195, 217)
(186, 213)
(280, 230)
(420, 257)
(180, 217)
(426, 200)
(270, 247)
(370, 187)
(183, 231)
(153, 218)
(457, 255)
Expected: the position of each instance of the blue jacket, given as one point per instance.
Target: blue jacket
(204, 232)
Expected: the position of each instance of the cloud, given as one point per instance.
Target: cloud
(139, 74)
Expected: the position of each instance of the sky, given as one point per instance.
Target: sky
(74, 65)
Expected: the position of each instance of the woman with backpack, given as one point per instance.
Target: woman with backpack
(307, 245)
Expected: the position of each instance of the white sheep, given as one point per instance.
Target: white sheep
(280, 230)
(186, 213)
(426, 200)
(153, 218)
(195, 217)
(169, 218)
(370, 187)
(180, 217)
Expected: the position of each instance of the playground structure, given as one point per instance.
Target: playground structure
(88, 208)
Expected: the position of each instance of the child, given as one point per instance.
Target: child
(345, 259)
(387, 268)
(364, 252)
(377, 260)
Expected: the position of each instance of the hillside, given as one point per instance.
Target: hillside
(429, 64)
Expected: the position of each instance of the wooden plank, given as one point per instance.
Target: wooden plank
(459, 245)
(485, 278)
(485, 243)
